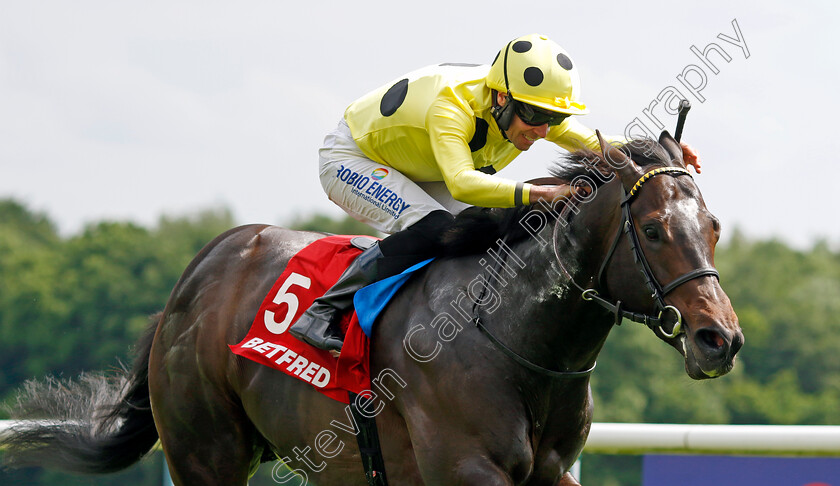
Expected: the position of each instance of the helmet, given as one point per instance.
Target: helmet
(537, 71)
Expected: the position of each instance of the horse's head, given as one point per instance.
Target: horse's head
(670, 273)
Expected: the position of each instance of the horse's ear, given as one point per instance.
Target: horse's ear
(673, 148)
(546, 181)
(624, 166)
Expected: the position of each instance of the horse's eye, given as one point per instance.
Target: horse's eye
(651, 233)
(715, 224)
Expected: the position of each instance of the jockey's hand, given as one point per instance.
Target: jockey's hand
(555, 193)
(690, 157)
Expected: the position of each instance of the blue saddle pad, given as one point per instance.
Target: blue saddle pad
(371, 300)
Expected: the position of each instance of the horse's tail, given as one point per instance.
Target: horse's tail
(97, 423)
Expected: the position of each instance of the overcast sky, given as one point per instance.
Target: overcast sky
(130, 110)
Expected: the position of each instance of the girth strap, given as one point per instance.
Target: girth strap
(368, 440)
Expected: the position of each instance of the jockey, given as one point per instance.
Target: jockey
(410, 155)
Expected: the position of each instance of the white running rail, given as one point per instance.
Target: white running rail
(764, 440)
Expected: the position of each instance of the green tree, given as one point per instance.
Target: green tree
(79, 303)
(35, 228)
(29, 255)
(74, 304)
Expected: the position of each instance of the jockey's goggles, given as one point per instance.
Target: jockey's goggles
(531, 115)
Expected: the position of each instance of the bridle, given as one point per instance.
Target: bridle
(658, 292)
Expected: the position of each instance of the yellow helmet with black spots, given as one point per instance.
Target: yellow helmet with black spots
(537, 71)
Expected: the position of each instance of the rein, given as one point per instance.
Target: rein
(628, 227)
(519, 359)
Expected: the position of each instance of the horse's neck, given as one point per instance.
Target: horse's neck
(543, 312)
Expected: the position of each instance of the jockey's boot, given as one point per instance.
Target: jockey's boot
(319, 325)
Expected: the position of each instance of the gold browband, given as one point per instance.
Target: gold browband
(654, 172)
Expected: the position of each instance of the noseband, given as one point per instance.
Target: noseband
(658, 291)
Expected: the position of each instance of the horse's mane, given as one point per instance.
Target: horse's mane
(476, 229)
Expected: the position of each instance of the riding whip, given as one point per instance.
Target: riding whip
(685, 105)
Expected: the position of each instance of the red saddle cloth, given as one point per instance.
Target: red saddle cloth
(308, 275)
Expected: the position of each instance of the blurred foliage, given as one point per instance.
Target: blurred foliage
(79, 302)
(72, 304)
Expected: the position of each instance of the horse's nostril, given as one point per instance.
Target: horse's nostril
(711, 339)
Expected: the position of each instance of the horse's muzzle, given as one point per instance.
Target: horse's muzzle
(710, 351)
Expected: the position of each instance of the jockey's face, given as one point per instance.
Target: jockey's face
(520, 134)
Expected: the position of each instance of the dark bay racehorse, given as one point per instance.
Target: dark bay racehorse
(481, 362)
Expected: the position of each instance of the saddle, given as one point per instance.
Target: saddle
(345, 378)
(309, 274)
